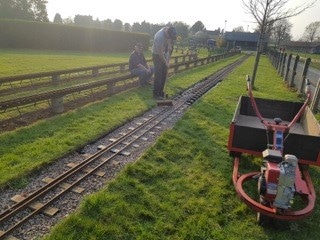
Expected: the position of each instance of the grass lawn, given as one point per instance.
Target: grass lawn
(181, 188)
(24, 61)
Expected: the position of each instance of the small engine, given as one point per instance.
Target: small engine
(277, 179)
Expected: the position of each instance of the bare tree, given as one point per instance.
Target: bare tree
(281, 31)
(312, 31)
(266, 13)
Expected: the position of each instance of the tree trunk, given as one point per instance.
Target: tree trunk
(256, 62)
(255, 68)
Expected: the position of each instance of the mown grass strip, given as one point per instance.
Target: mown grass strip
(29, 148)
(24, 61)
(181, 188)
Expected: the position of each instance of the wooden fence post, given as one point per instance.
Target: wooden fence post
(57, 105)
(56, 102)
(122, 68)
(288, 68)
(110, 88)
(294, 71)
(176, 69)
(283, 64)
(95, 72)
(55, 79)
(316, 97)
(280, 62)
(304, 75)
(276, 59)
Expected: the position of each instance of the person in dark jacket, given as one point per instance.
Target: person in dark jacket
(138, 65)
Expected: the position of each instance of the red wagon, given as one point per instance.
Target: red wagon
(286, 136)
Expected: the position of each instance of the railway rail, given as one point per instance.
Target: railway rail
(41, 200)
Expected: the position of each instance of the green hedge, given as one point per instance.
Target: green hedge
(39, 35)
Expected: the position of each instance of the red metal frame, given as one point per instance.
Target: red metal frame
(283, 128)
(303, 182)
(308, 194)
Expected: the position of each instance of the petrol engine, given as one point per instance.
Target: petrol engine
(277, 179)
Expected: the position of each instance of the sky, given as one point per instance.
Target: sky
(225, 14)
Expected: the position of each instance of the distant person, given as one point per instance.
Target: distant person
(161, 53)
(138, 65)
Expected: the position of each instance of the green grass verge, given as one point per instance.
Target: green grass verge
(30, 148)
(24, 61)
(181, 188)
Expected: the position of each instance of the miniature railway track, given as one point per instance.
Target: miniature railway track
(26, 207)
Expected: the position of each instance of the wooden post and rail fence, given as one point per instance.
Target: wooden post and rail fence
(107, 76)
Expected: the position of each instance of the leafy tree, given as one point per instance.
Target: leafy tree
(155, 28)
(57, 18)
(136, 27)
(201, 37)
(198, 26)
(145, 27)
(39, 10)
(266, 13)
(127, 27)
(107, 24)
(6, 9)
(23, 10)
(182, 29)
(312, 31)
(31, 10)
(20, 9)
(83, 20)
(117, 25)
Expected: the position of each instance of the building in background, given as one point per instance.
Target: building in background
(246, 41)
